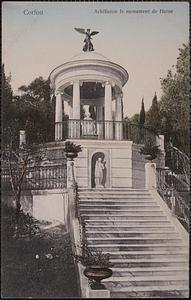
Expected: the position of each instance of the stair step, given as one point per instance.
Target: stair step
(114, 190)
(119, 208)
(141, 247)
(135, 240)
(152, 292)
(117, 205)
(149, 271)
(116, 197)
(129, 228)
(126, 217)
(160, 252)
(124, 212)
(132, 222)
(114, 282)
(145, 254)
(118, 202)
(148, 262)
(130, 234)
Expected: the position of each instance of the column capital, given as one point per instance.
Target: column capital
(75, 81)
(58, 93)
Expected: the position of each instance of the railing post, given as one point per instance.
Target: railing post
(173, 202)
(70, 173)
(150, 176)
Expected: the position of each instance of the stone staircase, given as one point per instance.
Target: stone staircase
(149, 257)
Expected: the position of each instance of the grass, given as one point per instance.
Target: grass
(41, 267)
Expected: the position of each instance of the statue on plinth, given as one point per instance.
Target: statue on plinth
(88, 126)
(99, 168)
(88, 44)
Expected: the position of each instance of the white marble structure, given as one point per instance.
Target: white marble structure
(90, 79)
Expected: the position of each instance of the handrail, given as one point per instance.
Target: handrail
(37, 177)
(179, 163)
(104, 130)
(178, 205)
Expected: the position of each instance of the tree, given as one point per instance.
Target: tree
(17, 161)
(35, 110)
(142, 114)
(6, 104)
(153, 116)
(134, 119)
(174, 104)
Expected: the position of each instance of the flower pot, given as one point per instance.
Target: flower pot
(148, 156)
(97, 273)
(71, 155)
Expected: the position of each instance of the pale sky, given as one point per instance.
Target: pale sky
(145, 44)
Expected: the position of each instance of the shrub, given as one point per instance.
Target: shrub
(71, 147)
(22, 226)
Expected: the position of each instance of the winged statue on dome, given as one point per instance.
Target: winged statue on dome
(88, 44)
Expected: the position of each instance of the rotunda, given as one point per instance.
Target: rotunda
(89, 79)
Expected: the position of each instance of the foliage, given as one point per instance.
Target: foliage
(17, 162)
(142, 114)
(33, 110)
(6, 105)
(25, 226)
(174, 104)
(150, 149)
(92, 257)
(153, 116)
(71, 147)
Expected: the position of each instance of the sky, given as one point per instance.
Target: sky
(145, 44)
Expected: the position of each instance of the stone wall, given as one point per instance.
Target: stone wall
(118, 162)
(46, 205)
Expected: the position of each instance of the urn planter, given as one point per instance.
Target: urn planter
(97, 273)
(71, 155)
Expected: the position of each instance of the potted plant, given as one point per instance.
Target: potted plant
(96, 265)
(150, 151)
(71, 149)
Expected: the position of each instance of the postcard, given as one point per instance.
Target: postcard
(95, 147)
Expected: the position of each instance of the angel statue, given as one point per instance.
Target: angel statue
(88, 44)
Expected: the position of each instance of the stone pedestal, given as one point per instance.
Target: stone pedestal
(96, 294)
(150, 176)
(118, 163)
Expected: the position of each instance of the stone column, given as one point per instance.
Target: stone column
(67, 124)
(58, 117)
(100, 122)
(108, 112)
(76, 110)
(118, 118)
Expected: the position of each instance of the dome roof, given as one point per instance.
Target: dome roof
(89, 55)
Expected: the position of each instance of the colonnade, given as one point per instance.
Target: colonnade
(75, 113)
